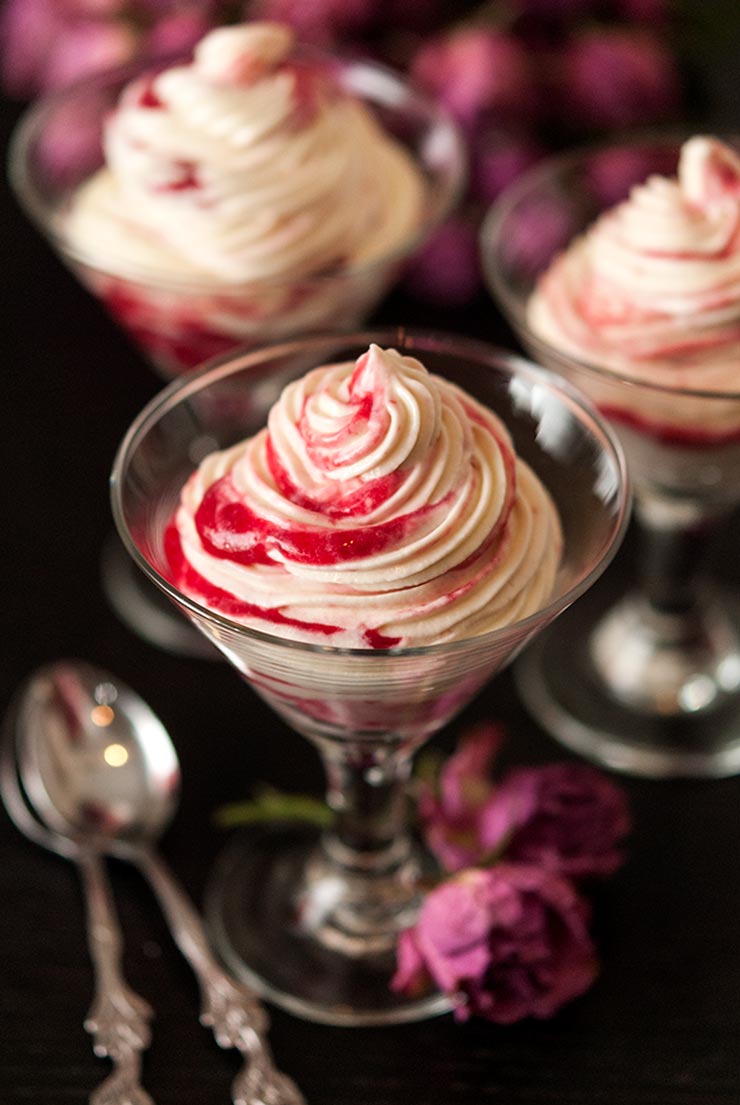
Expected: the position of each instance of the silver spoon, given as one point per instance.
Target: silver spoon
(115, 784)
(118, 1018)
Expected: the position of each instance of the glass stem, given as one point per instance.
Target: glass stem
(672, 554)
(669, 649)
(362, 885)
(366, 790)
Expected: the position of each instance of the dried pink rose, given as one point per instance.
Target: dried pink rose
(477, 72)
(505, 943)
(88, 46)
(322, 22)
(568, 818)
(451, 813)
(46, 44)
(498, 158)
(446, 270)
(177, 32)
(618, 77)
(28, 29)
(613, 171)
(543, 226)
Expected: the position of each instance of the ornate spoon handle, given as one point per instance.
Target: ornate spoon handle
(118, 1019)
(122, 1087)
(234, 1012)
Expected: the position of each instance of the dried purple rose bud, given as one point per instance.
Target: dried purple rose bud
(28, 29)
(177, 32)
(498, 158)
(568, 818)
(505, 943)
(450, 815)
(618, 77)
(543, 226)
(446, 270)
(86, 47)
(321, 22)
(477, 72)
(614, 171)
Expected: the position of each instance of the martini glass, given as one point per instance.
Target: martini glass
(177, 324)
(311, 919)
(650, 682)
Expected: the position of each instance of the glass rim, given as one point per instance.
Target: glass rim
(40, 211)
(492, 233)
(235, 361)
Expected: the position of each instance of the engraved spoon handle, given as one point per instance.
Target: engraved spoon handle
(118, 1019)
(230, 1009)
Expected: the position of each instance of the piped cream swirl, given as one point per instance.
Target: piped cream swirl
(380, 506)
(652, 289)
(245, 164)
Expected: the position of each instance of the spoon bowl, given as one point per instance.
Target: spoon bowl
(95, 761)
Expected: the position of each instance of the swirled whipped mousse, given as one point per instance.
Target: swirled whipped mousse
(246, 168)
(652, 290)
(381, 506)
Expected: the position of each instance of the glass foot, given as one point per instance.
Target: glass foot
(269, 905)
(145, 610)
(692, 730)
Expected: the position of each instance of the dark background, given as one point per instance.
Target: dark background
(660, 1027)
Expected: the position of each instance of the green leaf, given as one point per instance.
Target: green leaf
(273, 805)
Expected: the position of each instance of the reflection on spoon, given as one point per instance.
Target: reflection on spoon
(98, 762)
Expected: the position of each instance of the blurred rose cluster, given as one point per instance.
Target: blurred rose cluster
(46, 44)
(506, 935)
(523, 77)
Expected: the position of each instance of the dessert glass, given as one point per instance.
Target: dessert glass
(651, 684)
(179, 325)
(311, 919)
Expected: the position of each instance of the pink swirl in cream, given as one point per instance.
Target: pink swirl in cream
(381, 506)
(244, 165)
(652, 291)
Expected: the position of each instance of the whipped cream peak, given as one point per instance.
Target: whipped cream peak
(672, 221)
(336, 430)
(242, 54)
(709, 174)
(381, 505)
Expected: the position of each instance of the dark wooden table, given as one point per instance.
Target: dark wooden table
(660, 1027)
